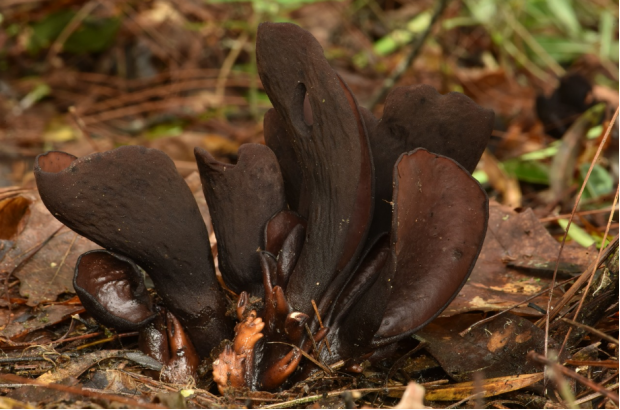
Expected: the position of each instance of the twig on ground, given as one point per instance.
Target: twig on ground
(82, 392)
(582, 213)
(80, 124)
(311, 399)
(107, 339)
(569, 373)
(532, 297)
(592, 330)
(227, 66)
(598, 260)
(593, 396)
(389, 82)
(69, 29)
(557, 263)
(568, 295)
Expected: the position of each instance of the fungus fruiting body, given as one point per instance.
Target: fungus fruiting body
(353, 232)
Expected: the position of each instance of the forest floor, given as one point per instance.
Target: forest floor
(88, 76)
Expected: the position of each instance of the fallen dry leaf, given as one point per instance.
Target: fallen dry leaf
(517, 261)
(47, 316)
(12, 210)
(497, 348)
(76, 367)
(490, 387)
(44, 253)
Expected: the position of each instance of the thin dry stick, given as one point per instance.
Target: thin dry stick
(318, 316)
(228, 65)
(156, 91)
(83, 392)
(583, 187)
(107, 339)
(406, 63)
(582, 213)
(401, 361)
(316, 312)
(491, 318)
(85, 133)
(568, 296)
(592, 330)
(326, 369)
(598, 260)
(567, 372)
(309, 399)
(70, 28)
(593, 396)
(64, 257)
(207, 99)
(609, 364)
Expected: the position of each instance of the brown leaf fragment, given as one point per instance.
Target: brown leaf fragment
(47, 316)
(112, 381)
(514, 263)
(528, 243)
(491, 387)
(39, 397)
(12, 210)
(50, 271)
(43, 254)
(76, 367)
(497, 349)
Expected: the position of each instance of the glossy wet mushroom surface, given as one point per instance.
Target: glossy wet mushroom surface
(351, 232)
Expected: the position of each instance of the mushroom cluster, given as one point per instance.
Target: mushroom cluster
(342, 235)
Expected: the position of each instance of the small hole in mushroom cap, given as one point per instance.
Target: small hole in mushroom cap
(302, 110)
(308, 119)
(55, 161)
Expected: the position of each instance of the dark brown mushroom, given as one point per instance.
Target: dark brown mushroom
(418, 116)
(325, 130)
(241, 199)
(276, 138)
(133, 202)
(438, 227)
(165, 340)
(371, 289)
(182, 362)
(112, 290)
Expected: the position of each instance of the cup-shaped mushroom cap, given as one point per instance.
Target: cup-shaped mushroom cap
(133, 202)
(242, 198)
(111, 289)
(325, 129)
(418, 116)
(438, 227)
